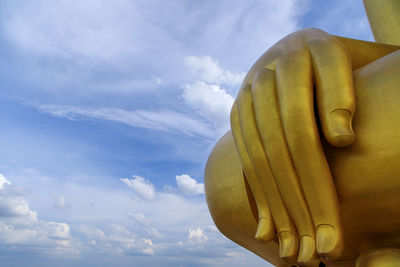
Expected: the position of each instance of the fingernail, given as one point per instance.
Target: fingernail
(326, 239)
(286, 245)
(307, 250)
(264, 232)
(340, 124)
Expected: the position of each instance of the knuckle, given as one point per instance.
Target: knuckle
(246, 87)
(264, 74)
(307, 32)
(316, 44)
(262, 80)
(331, 44)
(292, 62)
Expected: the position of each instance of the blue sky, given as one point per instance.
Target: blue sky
(109, 110)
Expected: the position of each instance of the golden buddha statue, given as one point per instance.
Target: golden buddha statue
(310, 170)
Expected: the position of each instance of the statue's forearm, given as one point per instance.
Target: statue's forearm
(384, 18)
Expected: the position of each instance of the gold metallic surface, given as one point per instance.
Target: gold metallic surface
(384, 19)
(311, 167)
(381, 257)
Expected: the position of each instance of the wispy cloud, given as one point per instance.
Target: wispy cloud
(166, 120)
(140, 218)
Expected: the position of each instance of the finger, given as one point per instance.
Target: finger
(265, 230)
(335, 90)
(269, 125)
(295, 94)
(288, 240)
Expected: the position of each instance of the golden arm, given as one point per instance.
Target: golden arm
(384, 19)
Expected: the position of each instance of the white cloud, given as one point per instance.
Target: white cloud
(186, 186)
(148, 251)
(147, 241)
(12, 205)
(197, 235)
(208, 70)
(120, 234)
(92, 233)
(20, 226)
(116, 239)
(3, 181)
(206, 95)
(58, 230)
(166, 120)
(10, 235)
(189, 186)
(140, 218)
(143, 188)
(210, 101)
(234, 254)
(154, 232)
(146, 223)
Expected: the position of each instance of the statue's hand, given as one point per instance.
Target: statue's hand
(275, 130)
